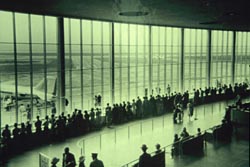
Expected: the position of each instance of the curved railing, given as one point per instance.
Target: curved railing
(168, 148)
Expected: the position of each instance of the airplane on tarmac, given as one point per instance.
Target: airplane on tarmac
(24, 96)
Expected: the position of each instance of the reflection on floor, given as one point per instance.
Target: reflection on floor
(121, 144)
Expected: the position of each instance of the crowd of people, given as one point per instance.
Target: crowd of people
(68, 160)
(60, 127)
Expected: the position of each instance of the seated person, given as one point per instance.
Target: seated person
(184, 133)
(175, 146)
(199, 131)
(158, 149)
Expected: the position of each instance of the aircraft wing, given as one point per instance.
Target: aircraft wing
(24, 92)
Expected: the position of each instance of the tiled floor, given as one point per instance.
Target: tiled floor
(121, 144)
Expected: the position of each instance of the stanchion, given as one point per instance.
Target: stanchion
(212, 108)
(115, 135)
(152, 124)
(204, 110)
(100, 141)
(195, 118)
(163, 121)
(141, 127)
(128, 132)
(83, 147)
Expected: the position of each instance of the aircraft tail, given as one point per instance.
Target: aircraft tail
(51, 85)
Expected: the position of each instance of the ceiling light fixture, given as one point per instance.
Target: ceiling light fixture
(130, 8)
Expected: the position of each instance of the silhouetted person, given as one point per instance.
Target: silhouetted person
(145, 158)
(38, 125)
(68, 158)
(199, 131)
(175, 146)
(28, 128)
(184, 133)
(158, 149)
(16, 131)
(54, 162)
(6, 134)
(81, 161)
(96, 162)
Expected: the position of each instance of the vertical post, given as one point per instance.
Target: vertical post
(115, 135)
(81, 65)
(100, 141)
(165, 59)
(150, 59)
(83, 146)
(92, 64)
(60, 66)
(31, 65)
(136, 63)
(45, 64)
(15, 64)
(209, 58)
(128, 132)
(182, 61)
(195, 59)
(112, 63)
(141, 127)
(128, 62)
(0, 106)
(102, 63)
(233, 57)
(70, 68)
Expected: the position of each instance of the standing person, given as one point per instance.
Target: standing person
(168, 90)
(68, 158)
(28, 110)
(108, 115)
(54, 162)
(145, 158)
(190, 109)
(81, 161)
(96, 162)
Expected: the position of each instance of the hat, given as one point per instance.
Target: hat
(81, 159)
(144, 147)
(55, 160)
(94, 154)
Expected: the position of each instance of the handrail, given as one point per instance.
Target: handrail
(164, 148)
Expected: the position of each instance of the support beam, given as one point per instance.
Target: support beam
(150, 61)
(15, 63)
(31, 66)
(45, 64)
(209, 58)
(60, 67)
(182, 61)
(233, 57)
(112, 63)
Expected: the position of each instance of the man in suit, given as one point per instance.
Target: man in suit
(96, 162)
(68, 158)
(145, 158)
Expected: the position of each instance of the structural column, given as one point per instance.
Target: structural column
(233, 57)
(150, 61)
(209, 58)
(182, 61)
(112, 63)
(60, 66)
(15, 64)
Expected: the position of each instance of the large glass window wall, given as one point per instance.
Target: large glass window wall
(195, 58)
(221, 57)
(145, 57)
(242, 57)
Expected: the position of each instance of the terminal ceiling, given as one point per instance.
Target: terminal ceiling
(210, 14)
